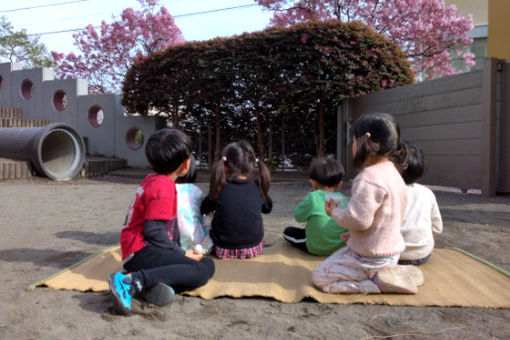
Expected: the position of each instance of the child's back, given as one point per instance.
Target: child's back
(322, 232)
(368, 263)
(238, 194)
(322, 235)
(189, 199)
(153, 260)
(237, 222)
(422, 216)
(191, 227)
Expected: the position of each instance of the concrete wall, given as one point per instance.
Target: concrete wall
(453, 119)
(123, 132)
(72, 88)
(31, 105)
(67, 101)
(5, 88)
(100, 139)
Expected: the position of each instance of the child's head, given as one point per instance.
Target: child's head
(191, 175)
(326, 172)
(167, 149)
(378, 135)
(416, 163)
(238, 160)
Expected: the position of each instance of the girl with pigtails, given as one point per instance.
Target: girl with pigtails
(374, 214)
(238, 194)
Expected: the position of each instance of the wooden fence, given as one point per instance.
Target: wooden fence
(461, 122)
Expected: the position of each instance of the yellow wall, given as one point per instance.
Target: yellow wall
(477, 8)
(498, 42)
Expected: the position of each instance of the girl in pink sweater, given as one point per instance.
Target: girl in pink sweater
(368, 264)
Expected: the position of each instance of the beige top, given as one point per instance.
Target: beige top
(421, 219)
(375, 212)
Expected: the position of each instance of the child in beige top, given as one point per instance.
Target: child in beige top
(368, 264)
(422, 218)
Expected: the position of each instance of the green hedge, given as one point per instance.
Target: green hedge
(246, 81)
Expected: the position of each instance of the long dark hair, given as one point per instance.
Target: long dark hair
(238, 158)
(416, 163)
(378, 134)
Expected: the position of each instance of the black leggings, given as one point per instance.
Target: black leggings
(154, 264)
(414, 262)
(296, 237)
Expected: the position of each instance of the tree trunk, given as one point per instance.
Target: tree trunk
(175, 115)
(260, 136)
(217, 150)
(270, 145)
(209, 146)
(322, 145)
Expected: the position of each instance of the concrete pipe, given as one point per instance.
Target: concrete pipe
(56, 151)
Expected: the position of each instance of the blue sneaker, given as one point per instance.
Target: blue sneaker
(122, 290)
(159, 295)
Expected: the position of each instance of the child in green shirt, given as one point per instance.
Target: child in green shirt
(322, 235)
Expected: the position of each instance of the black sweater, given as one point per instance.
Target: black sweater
(237, 221)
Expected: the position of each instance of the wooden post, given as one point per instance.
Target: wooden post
(489, 91)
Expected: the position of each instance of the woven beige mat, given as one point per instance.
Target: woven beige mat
(452, 278)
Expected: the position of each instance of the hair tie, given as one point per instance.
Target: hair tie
(368, 134)
(256, 160)
(224, 158)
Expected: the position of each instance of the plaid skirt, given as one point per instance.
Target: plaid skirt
(242, 253)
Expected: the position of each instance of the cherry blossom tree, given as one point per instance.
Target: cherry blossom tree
(107, 55)
(427, 31)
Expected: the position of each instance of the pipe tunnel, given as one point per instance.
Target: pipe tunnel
(56, 151)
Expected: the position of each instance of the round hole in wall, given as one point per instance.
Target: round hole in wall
(27, 89)
(60, 100)
(134, 138)
(96, 115)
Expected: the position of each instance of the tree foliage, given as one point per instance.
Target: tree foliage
(246, 82)
(107, 55)
(427, 31)
(17, 46)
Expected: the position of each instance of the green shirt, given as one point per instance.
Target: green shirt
(322, 232)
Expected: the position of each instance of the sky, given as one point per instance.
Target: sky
(72, 14)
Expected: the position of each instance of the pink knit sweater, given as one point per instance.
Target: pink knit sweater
(375, 211)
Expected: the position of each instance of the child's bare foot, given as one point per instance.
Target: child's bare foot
(399, 279)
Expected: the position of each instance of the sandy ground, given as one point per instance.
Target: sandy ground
(46, 226)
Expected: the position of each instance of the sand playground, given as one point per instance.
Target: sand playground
(48, 226)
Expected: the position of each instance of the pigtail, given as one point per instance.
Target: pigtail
(400, 157)
(264, 177)
(217, 181)
(365, 145)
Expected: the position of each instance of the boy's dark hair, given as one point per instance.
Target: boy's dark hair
(416, 163)
(238, 158)
(167, 149)
(378, 134)
(191, 175)
(326, 171)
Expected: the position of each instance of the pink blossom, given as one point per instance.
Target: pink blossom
(425, 30)
(304, 38)
(107, 54)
